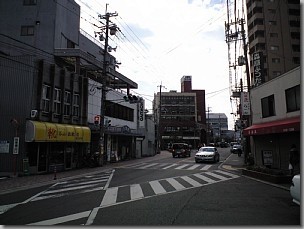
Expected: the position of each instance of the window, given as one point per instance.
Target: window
(57, 101)
(76, 105)
(292, 96)
(296, 48)
(268, 106)
(67, 103)
(276, 73)
(29, 2)
(274, 35)
(275, 60)
(272, 23)
(46, 97)
(272, 11)
(274, 47)
(27, 30)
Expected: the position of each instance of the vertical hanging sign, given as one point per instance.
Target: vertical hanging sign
(258, 68)
(245, 103)
(141, 113)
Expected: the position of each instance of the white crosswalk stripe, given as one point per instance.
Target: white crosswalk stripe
(117, 195)
(159, 187)
(136, 192)
(88, 183)
(169, 166)
(110, 196)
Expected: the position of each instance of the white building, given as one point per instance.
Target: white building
(276, 118)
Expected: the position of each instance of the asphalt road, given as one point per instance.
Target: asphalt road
(154, 192)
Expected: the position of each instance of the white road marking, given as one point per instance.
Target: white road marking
(62, 219)
(110, 196)
(182, 166)
(136, 191)
(206, 167)
(193, 167)
(217, 176)
(157, 188)
(191, 181)
(169, 166)
(228, 174)
(200, 176)
(175, 184)
(147, 166)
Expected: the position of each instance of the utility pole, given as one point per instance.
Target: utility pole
(208, 128)
(105, 29)
(159, 119)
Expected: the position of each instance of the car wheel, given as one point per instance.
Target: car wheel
(218, 159)
(196, 161)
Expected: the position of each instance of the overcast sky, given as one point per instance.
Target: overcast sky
(163, 40)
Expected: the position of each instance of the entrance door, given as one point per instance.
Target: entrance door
(42, 157)
(68, 157)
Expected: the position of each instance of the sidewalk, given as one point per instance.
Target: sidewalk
(236, 164)
(14, 183)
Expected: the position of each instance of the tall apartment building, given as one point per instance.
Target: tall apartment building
(274, 38)
(181, 115)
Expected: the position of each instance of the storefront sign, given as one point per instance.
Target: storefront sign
(54, 132)
(4, 146)
(267, 157)
(258, 69)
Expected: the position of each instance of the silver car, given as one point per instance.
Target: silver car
(295, 189)
(207, 153)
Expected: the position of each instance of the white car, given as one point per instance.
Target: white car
(208, 153)
(295, 190)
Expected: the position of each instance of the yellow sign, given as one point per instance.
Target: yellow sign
(53, 132)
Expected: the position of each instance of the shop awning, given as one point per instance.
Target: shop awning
(54, 132)
(274, 127)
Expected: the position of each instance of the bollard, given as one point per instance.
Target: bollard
(55, 172)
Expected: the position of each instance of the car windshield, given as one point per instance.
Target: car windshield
(206, 150)
(180, 146)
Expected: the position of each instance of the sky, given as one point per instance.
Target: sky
(160, 41)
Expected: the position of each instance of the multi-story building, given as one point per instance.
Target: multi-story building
(275, 120)
(217, 126)
(274, 38)
(49, 71)
(181, 115)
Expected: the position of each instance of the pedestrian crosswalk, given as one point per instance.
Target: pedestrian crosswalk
(88, 183)
(116, 195)
(185, 166)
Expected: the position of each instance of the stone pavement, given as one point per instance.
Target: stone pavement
(10, 183)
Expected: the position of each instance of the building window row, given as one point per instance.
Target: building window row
(292, 98)
(57, 101)
(115, 110)
(177, 100)
(27, 30)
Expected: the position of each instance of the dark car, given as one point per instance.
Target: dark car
(180, 150)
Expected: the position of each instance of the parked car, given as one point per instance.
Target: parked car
(207, 153)
(295, 189)
(180, 150)
(236, 148)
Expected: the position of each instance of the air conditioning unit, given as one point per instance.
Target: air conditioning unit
(34, 113)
